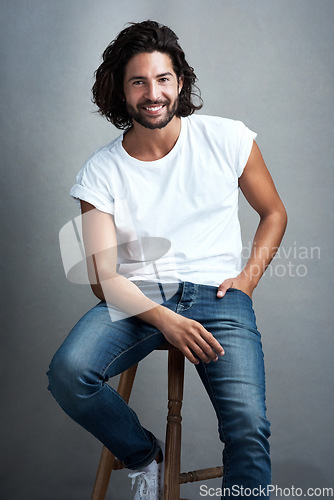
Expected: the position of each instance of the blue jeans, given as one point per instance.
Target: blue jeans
(98, 348)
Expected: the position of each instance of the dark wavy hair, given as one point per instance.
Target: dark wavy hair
(146, 36)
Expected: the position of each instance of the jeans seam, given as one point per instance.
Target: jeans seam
(216, 405)
(137, 464)
(180, 308)
(103, 372)
(179, 305)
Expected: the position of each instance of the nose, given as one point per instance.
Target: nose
(152, 91)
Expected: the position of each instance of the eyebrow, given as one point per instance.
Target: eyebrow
(161, 75)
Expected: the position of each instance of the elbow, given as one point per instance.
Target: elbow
(97, 291)
(278, 217)
(283, 215)
(99, 271)
(103, 277)
(280, 214)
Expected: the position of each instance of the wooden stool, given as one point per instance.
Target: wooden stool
(172, 476)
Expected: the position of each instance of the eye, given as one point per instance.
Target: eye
(164, 79)
(137, 82)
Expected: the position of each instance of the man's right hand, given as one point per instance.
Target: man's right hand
(189, 336)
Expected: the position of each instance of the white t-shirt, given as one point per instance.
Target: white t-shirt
(176, 218)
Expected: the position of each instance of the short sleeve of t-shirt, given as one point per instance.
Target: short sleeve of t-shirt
(91, 186)
(246, 137)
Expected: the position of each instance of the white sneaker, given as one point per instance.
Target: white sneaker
(150, 479)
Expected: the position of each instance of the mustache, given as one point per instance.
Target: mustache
(148, 102)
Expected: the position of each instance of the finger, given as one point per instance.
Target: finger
(189, 355)
(223, 287)
(207, 349)
(200, 353)
(203, 342)
(213, 343)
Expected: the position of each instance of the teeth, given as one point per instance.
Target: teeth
(155, 108)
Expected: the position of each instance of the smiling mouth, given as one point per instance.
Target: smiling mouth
(153, 108)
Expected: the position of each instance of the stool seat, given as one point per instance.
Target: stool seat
(172, 476)
(166, 346)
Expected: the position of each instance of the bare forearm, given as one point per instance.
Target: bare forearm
(266, 241)
(126, 296)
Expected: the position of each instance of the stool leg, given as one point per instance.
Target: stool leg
(173, 431)
(107, 458)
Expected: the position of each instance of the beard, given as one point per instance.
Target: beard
(138, 115)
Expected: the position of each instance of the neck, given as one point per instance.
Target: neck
(149, 145)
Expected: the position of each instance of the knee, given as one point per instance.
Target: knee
(70, 381)
(249, 429)
(257, 430)
(59, 372)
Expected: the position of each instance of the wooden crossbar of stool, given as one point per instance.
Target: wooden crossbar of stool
(172, 460)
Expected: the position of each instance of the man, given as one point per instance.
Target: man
(170, 182)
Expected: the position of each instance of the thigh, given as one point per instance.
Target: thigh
(236, 382)
(106, 347)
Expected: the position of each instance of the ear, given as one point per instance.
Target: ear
(181, 80)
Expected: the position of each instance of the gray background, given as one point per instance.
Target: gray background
(268, 63)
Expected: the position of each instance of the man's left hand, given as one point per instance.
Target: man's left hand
(239, 282)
